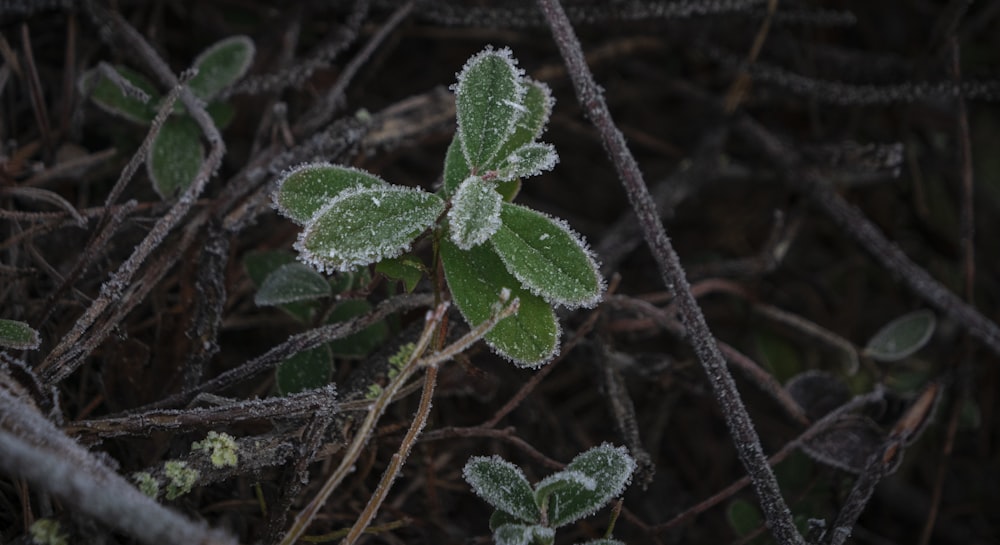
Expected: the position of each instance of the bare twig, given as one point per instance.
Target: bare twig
(744, 437)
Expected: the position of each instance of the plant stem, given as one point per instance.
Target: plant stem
(740, 426)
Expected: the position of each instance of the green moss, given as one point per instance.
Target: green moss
(47, 532)
(147, 484)
(221, 447)
(181, 478)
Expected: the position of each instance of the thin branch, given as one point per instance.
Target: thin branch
(740, 426)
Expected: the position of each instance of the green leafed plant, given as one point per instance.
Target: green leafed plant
(902, 337)
(485, 243)
(177, 152)
(529, 515)
(305, 294)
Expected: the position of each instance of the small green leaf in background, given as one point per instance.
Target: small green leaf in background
(111, 98)
(846, 444)
(406, 269)
(523, 534)
(363, 342)
(304, 189)
(221, 65)
(488, 99)
(538, 103)
(744, 517)
(260, 264)
(304, 371)
(502, 485)
(292, 282)
(175, 156)
(500, 518)
(222, 113)
(547, 257)
(610, 468)
(526, 161)
(902, 337)
(475, 213)
(564, 481)
(365, 225)
(777, 355)
(18, 335)
(475, 277)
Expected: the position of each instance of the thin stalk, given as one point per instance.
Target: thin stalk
(745, 439)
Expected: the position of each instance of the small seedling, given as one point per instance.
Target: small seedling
(485, 243)
(221, 448)
(176, 153)
(527, 515)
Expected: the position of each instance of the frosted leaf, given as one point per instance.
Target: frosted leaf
(502, 485)
(292, 282)
(488, 103)
(352, 230)
(18, 335)
(406, 269)
(527, 160)
(562, 480)
(523, 534)
(474, 214)
(456, 169)
(220, 65)
(902, 337)
(610, 468)
(304, 189)
(175, 156)
(547, 257)
(538, 103)
(476, 278)
(305, 370)
(128, 97)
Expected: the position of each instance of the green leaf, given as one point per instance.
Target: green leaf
(902, 337)
(526, 161)
(259, 265)
(523, 534)
(125, 103)
(538, 103)
(363, 342)
(304, 189)
(456, 169)
(476, 277)
(610, 468)
(18, 335)
(488, 99)
(474, 214)
(406, 269)
(304, 371)
(222, 113)
(292, 282)
(508, 190)
(365, 225)
(500, 518)
(175, 156)
(547, 257)
(502, 485)
(221, 65)
(564, 481)
(744, 517)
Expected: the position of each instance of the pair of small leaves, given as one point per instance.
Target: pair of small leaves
(351, 217)
(176, 153)
(586, 485)
(18, 335)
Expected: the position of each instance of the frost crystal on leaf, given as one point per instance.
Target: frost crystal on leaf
(562, 480)
(348, 231)
(610, 468)
(18, 335)
(474, 214)
(503, 485)
(488, 102)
